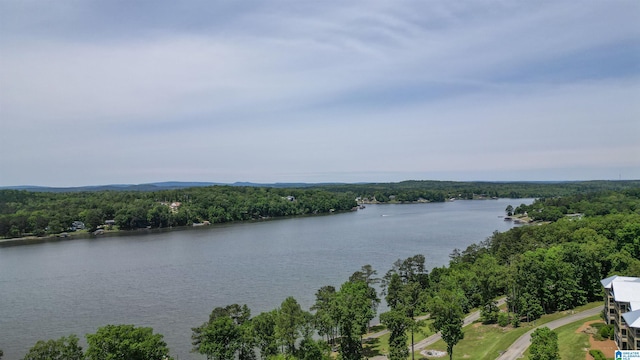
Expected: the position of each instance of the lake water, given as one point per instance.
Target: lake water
(171, 281)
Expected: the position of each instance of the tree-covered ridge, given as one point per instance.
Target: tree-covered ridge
(409, 191)
(25, 213)
(589, 204)
(559, 265)
(39, 213)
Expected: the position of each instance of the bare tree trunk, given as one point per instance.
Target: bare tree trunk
(412, 351)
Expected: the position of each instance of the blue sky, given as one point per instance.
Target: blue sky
(100, 92)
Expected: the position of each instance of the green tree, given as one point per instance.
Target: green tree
(241, 316)
(397, 323)
(326, 318)
(226, 334)
(311, 349)
(159, 216)
(131, 217)
(406, 286)
(248, 342)
(264, 332)
(489, 312)
(217, 339)
(354, 313)
(509, 210)
(290, 320)
(92, 218)
(530, 307)
(544, 345)
(367, 274)
(126, 342)
(55, 227)
(628, 238)
(491, 277)
(65, 348)
(447, 315)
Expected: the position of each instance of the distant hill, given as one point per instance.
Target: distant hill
(114, 187)
(166, 185)
(517, 188)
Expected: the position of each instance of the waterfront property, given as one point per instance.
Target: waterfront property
(622, 309)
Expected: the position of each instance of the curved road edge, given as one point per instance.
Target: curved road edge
(420, 345)
(517, 349)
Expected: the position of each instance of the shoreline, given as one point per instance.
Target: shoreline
(32, 240)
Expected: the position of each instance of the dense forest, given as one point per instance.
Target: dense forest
(27, 213)
(411, 191)
(554, 266)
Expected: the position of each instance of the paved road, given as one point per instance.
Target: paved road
(517, 349)
(469, 319)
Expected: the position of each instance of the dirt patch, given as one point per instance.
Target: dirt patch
(608, 347)
(433, 353)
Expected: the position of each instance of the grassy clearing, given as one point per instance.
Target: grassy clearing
(487, 341)
(572, 345)
(482, 341)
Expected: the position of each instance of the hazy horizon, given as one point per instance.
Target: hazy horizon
(240, 182)
(117, 92)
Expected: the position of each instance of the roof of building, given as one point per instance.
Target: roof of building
(627, 291)
(608, 282)
(632, 318)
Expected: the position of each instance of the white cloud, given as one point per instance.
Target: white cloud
(320, 88)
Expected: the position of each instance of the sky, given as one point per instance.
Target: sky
(131, 92)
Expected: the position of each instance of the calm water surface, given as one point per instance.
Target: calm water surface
(171, 281)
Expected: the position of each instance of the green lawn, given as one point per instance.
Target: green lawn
(487, 341)
(572, 346)
(482, 342)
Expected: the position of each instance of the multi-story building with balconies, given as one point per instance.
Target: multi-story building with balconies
(622, 309)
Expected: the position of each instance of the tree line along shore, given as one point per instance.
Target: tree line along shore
(544, 269)
(31, 214)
